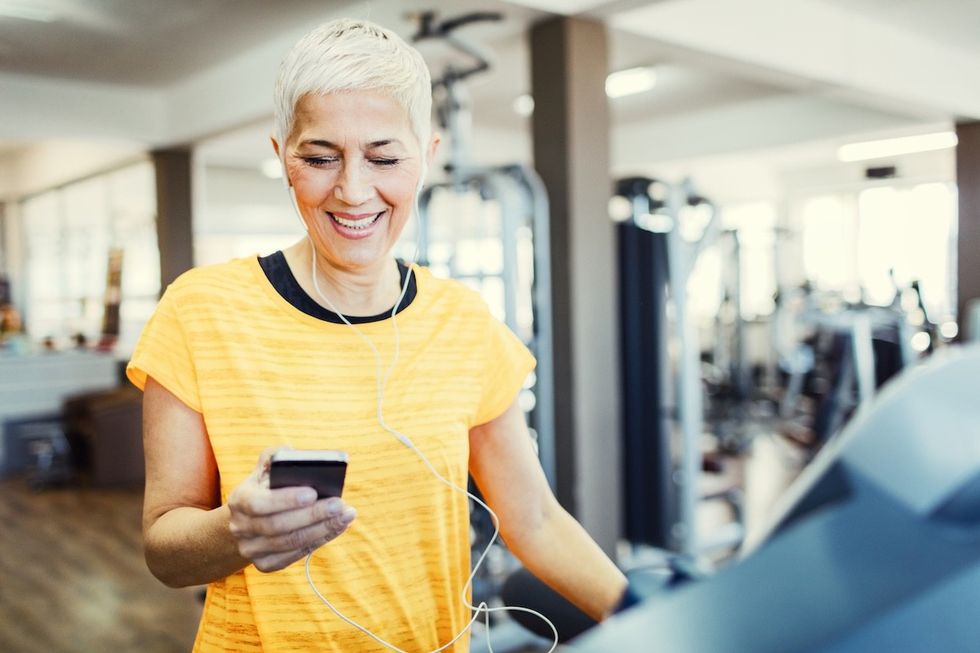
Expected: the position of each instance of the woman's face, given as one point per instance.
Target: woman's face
(355, 166)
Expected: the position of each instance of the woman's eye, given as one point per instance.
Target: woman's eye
(386, 162)
(319, 161)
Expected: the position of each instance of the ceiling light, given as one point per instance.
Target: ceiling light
(896, 146)
(630, 81)
(523, 105)
(27, 11)
(272, 168)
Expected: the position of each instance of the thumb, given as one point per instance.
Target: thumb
(261, 471)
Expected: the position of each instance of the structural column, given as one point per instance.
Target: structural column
(968, 240)
(571, 153)
(175, 234)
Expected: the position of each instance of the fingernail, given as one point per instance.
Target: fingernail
(348, 515)
(333, 507)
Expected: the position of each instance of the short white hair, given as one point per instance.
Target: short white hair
(346, 55)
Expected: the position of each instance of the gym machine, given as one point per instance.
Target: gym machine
(662, 230)
(667, 226)
(729, 382)
(848, 353)
(518, 202)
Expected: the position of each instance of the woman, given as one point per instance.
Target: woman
(254, 354)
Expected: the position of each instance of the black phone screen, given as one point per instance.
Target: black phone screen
(325, 476)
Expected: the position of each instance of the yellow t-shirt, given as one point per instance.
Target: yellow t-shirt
(263, 373)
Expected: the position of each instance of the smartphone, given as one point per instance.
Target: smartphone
(322, 470)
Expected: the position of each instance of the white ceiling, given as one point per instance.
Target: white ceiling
(956, 22)
(153, 42)
(149, 44)
(176, 48)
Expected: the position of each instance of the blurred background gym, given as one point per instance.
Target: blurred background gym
(741, 239)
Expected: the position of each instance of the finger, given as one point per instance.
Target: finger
(261, 471)
(248, 520)
(287, 499)
(277, 561)
(261, 502)
(304, 539)
(284, 522)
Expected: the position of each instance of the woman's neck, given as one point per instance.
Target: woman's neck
(360, 292)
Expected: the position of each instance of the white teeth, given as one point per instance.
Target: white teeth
(355, 224)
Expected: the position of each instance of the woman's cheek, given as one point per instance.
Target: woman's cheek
(311, 188)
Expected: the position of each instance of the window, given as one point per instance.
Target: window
(69, 233)
(829, 243)
(742, 253)
(871, 243)
(905, 235)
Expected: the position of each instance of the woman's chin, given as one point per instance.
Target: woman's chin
(353, 258)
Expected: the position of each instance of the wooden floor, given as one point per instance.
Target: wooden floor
(72, 576)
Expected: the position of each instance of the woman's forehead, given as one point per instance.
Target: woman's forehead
(368, 117)
(363, 144)
(315, 106)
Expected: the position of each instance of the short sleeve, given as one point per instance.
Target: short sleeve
(164, 353)
(507, 364)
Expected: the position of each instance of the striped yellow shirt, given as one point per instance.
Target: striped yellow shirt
(263, 373)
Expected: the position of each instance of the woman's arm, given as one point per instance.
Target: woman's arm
(550, 543)
(189, 538)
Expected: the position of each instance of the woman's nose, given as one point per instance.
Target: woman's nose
(353, 185)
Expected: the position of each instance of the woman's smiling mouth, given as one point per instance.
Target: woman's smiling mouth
(355, 221)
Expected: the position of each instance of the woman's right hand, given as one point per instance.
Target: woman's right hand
(275, 528)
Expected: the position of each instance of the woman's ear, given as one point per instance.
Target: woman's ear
(285, 175)
(430, 154)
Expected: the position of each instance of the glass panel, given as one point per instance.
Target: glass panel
(932, 243)
(755, 224)
(882, 259)
(906, 236)
(85, 253)
(132, 204)
(69, 233)
(41, 219)
(829, 243)
(878, 240)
